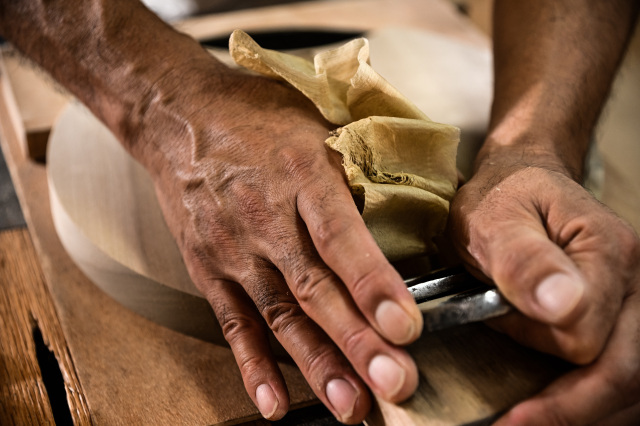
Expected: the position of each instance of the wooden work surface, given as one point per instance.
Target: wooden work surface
(119, 368)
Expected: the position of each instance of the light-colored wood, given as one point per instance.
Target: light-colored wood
(111, 199)
(436, 15)
(132, 371)
(25, 304)
(469, 374)
(108, 218)
(36, 101)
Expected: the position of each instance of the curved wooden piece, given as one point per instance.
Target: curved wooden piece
(108, 218)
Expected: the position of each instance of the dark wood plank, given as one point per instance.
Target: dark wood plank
(25, 304)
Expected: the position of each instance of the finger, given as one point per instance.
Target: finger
(246, 333)
(555, 275)
(534, 273)
(592, 393)
(326, 370)
(388, 371)
(536, 276)
(346, 246)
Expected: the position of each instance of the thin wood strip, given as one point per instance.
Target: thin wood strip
(25, 303)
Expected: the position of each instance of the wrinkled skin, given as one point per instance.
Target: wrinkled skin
(265, 236)
(521, 224)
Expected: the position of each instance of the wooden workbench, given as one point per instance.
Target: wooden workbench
(117, 367)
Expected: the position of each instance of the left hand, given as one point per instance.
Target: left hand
(572, 269)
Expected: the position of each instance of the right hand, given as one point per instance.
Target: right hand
(270, 234)
(570, 267)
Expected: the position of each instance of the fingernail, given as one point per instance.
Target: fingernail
(396, 324)
(559, 294)
(267, 401)
(342, 397)
(387, 375)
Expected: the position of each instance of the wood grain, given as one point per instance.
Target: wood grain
(25, 304)
(469, 374)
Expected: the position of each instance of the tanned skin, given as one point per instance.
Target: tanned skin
(568, 263)
(263, 216)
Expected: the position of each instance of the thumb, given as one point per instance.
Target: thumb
(555, 253)
(556, 310)
(534, 273)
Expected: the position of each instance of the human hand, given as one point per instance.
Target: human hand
(270, 234)
(572, 269)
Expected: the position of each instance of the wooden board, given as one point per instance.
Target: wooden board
(25, 309)
(468, 375)
(34, 100)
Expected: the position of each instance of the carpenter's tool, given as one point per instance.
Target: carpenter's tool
(452, 296)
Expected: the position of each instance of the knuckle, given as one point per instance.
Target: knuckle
(355, 340)
(203, 275)
(310, 283)
(237, 326)
(317, 364)
(328, 231)
(250, 363)
(362, 286)
(282, 316)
